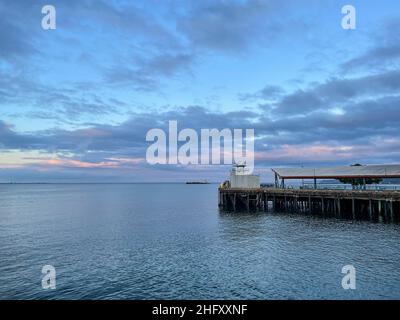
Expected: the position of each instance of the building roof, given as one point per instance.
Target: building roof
(367, 171)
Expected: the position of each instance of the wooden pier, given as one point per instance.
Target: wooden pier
(352, 204)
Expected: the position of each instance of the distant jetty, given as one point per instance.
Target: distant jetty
(198, 182)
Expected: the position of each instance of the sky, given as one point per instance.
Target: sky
(76, 102)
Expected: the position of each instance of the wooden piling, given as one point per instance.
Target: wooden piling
(391, 211)
(370, 209)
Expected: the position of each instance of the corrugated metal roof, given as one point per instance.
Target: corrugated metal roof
(367, 171)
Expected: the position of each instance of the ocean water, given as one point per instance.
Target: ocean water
(169, 241)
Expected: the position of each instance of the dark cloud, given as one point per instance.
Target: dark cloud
(127, 138)
(149, 71)
(269, 92)
(18, 32)
(384, 53)
(360, 123)
(167, 64)
(129, 18)
(299, 102)
(14, 43)
(337, 91)
(234, 26)
(150, 50)
(375, 57)
(65, 103)
(366, 131)
(10, 139)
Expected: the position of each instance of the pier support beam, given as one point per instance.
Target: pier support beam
(265, 202)
(391, 211)
(370, 209)
(385, 209)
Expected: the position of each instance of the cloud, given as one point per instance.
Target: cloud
(299, 102)
(146, 50)
(14, 43)
(375, 57)
(149, 72)
(269, 92)
(167, 64)
(85, 78)
(384, 53)
(363, 124)
(17, 39)
(234, 26)
(338, 91)
(9, 139)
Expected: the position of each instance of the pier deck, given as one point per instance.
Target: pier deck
(383, 205)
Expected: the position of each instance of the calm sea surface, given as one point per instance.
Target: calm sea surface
(168, 241)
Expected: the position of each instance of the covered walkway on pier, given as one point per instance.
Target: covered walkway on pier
(344, 172)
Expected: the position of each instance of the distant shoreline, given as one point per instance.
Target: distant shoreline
(24, 183)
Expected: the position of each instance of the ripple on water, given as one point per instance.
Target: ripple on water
(158, 241)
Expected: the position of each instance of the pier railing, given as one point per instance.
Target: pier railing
(332, 186)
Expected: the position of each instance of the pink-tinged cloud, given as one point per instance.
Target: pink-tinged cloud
(129, 161)
(108, 163)
(313, 152)
(70, 163)
(10, 166)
